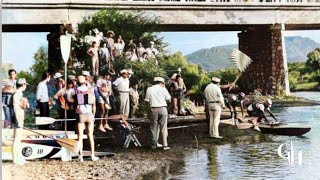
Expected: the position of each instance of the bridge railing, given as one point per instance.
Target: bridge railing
(167, 2)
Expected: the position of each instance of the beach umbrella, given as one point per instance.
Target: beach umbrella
(242, 62)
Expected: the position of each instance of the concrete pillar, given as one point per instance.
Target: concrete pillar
(264, 45)
(54, 55)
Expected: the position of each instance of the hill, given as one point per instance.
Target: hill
(214, 58)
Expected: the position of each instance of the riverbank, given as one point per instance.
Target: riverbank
(132, 162)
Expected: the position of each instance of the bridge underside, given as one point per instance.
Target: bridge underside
(260, 36)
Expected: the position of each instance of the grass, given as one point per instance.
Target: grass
(306, 86)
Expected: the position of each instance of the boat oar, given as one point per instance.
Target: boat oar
(70, 144)
(50, 120)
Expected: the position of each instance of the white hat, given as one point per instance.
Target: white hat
(123, 71)
(100, 82)
(72, 77)
(129, 71)
(215, 79)
(85, 73)
(151, 42)
(158, 79)
(57, 75)
(269, 102)
(81, 79)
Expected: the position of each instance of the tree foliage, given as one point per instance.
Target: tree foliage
(40, 65)
(314, 59)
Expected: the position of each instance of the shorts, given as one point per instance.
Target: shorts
(100, 99)
(255, 114)
(86, 118)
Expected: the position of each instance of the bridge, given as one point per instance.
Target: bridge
(261, 23)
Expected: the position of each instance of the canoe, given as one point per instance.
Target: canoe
(286, 129)
(39, 151)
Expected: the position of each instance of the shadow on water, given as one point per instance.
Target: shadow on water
(255, 160)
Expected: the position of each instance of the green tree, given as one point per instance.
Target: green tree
(314, 59)
(40, 65)
(130, 25)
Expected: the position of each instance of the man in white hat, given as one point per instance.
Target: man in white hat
(122, 85)
(19, 105)
(214, 105)
(257, 110)
(157, 96)
(152, 51)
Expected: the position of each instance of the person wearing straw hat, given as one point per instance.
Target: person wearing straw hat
(157, 97)
(122, 85)
(19, 105)
(85, 100)
(214, 104)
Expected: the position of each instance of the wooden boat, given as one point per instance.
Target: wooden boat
(287, 129)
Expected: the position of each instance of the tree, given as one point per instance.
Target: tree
(130, 25)
(40, 65)
(314, 59)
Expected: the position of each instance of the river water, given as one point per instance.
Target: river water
(260, 160)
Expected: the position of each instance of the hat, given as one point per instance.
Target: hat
(215, 79)
(151, 42)
(85, 73)
(72, 77)
(100, 82)
(269, 102)
(110, 32)
(158, 79)
(123, 71)
(242, 94)
(130, 71)
(22, 81)
(81, 79)
(57, 75)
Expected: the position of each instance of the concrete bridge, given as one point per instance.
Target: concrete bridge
(261, 23)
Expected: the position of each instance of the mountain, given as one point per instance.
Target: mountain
(214, 58)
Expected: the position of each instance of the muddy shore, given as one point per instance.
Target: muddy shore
(133, 162)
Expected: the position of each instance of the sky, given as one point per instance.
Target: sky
(19, 48)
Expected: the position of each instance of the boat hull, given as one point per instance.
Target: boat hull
(290, 129)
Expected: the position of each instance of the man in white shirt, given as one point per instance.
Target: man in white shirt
(43, 97)
(157, 96)
(122, 85)
(214, 103)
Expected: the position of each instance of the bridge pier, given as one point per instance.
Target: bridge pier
(264, 46)
(55, 61)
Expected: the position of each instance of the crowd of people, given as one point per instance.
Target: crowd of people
(101, 93)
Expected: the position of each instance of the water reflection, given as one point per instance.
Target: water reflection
(258, 160)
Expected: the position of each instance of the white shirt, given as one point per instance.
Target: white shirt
(213, 93)
(157, 96)
(122, 84)
(42, 92)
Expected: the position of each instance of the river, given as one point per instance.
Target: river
(260, 160)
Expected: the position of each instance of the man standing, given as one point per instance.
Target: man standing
(19, 105)
(214, 102)
(42, 96)
(157, 95)
(122, 85)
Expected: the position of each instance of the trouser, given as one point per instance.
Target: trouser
(44, 112)
(9, 115)
(124, 103)
(214, 116)
(159, 117)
